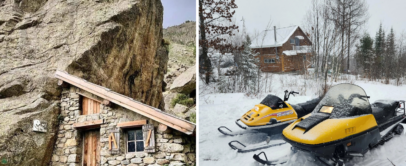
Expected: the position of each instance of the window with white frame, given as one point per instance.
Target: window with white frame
(292, 41)
(135, 140)
(269, 60)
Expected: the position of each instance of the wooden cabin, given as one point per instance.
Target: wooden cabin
(283, 49)
(101, 127)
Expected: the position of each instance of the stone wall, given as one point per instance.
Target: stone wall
(172, 147)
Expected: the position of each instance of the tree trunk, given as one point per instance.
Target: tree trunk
(206, 63)
(349, 42)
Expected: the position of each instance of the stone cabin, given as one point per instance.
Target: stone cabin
(100, 127)
(283, 49)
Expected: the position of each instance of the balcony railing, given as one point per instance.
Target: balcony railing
(299, 48)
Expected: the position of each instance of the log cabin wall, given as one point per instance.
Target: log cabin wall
(285, 63)
(269, 53)
(90, 145)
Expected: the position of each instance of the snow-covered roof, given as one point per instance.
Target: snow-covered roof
(267, 38)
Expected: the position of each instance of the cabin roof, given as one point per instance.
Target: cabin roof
(267, 38)
(129, 103)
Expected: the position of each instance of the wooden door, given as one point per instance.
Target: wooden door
(90, 106)
(91, 149)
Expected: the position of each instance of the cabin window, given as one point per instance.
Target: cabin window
(304, 57)
(135, 140)
(297, 42)
(269, 60)
(292, 41)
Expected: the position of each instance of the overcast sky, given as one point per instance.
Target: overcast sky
(178, 11)
(285, 13)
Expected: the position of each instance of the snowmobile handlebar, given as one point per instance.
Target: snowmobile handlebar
(287, 94)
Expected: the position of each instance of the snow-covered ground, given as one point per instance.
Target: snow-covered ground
(223, 109)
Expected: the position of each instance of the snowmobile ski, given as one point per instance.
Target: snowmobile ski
(270, 129)
(241, 148)
(222, 130)
(335, 162)
(266, 161)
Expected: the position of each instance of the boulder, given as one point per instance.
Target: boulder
(192, 110)
(185, 82)
(168, 99)
(179, 108)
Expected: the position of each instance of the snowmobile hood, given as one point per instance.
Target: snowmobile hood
(329, 130)
(262, 114)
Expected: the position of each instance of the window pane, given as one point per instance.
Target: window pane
(131, 135)
(140, 146)
(138, 135)
(131, 147)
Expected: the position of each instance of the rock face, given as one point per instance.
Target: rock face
(186, 82)
(115, 43)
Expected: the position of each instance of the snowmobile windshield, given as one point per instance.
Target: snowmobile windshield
(344, 100)
(274, 102)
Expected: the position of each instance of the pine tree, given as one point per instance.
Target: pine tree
(379, 51)
(365, 54)
(390, 53)
(248, 67)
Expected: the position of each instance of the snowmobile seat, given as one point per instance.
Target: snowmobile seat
(303, 109)
(383, 110)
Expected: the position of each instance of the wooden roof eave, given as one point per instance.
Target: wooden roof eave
(129, 103)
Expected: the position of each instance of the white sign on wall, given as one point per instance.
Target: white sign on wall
(39, 126)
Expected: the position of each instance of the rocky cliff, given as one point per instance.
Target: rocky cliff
(113, 43)
(180, 94)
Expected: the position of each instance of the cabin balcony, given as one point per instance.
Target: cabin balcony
(302, 48)
(298, 50)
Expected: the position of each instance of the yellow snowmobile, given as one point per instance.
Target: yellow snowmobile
(271, 116)
(344, 125)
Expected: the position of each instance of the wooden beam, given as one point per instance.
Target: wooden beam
(132, 124)
(106, 102)
(149, 136)
(88, 124)
(129, 103)
(62, 84)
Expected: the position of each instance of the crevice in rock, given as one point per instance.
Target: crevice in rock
(15, 88)
(29, 24)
